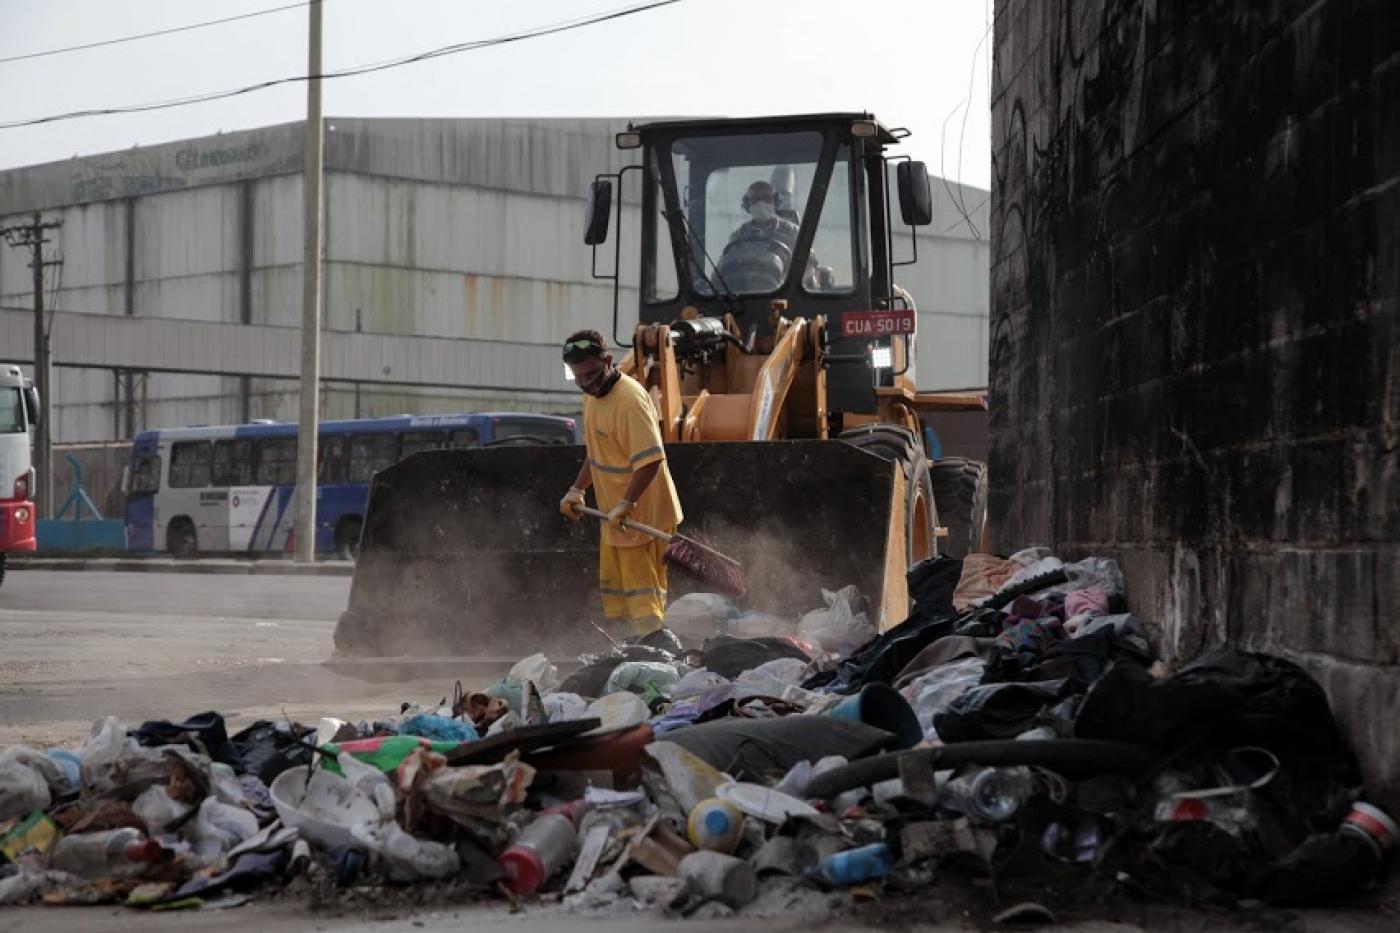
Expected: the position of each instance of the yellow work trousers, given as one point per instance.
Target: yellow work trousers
(633, 583)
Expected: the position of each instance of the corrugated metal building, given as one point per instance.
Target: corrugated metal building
(468, 229)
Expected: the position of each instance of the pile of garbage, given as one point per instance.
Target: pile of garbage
(1018, 722)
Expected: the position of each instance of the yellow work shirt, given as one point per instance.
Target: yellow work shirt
(621, 433)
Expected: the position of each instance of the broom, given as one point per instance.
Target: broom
(696, 560)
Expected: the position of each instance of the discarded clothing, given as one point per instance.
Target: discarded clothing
(996, 711)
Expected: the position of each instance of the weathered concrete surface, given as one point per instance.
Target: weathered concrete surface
(1196, 224)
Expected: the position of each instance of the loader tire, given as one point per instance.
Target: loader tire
(921, 512)
(960, 490)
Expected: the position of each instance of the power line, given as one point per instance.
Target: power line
(151, 35)
(536, 32)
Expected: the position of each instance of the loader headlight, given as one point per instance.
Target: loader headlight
(881, 357)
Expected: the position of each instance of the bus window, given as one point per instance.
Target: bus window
(414, 441)
(277, 462)
(189, 464)
(145, 475)
(463, 437)
(233, 463)
(332, 454)
(370, 453)
(555, 432)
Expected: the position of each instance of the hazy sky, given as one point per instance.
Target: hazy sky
(923, 64)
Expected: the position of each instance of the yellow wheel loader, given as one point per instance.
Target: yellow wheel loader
(779, 352)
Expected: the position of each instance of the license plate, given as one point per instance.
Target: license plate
(898, 321)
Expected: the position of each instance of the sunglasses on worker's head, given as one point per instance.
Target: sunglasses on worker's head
(575, 350)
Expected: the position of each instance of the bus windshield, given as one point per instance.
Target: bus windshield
(12, 412)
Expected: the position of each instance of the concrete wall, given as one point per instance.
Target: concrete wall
(1196, 221)
(453, 228)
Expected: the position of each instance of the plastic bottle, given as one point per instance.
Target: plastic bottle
(119, 852)
(854, 866)
(716, 825)
(546, 846)
(991, 795)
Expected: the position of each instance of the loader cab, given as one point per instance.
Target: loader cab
(822, 244)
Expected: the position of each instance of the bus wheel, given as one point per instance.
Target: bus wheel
(181, 540)
(347, 538)
(2, 569)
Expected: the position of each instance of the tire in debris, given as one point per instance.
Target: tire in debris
(921, 513)
(960, 490)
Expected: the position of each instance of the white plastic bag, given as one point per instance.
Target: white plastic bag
(771, 678)
(695, 617)
(841, 627)
(933, 692)
(697, 682)
(111, 758)
(618, 711)
(564, 707)
(537, 670)
(407, 857)
(635, 675)
(156, 809)
(218, 827)
(22, 789)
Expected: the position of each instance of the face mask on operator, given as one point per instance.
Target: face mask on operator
(761, 211)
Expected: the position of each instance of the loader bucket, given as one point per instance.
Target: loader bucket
(464, 552)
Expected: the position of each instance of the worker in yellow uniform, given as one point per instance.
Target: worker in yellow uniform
(626, 468)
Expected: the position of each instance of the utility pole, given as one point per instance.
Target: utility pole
(31, 236)
(307, 422)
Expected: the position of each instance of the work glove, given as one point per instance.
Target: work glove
(571, 503)
(620, 512)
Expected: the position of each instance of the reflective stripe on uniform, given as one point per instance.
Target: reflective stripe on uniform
(595, 465)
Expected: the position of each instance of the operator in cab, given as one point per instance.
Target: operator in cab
(758, 253)
(626, 469)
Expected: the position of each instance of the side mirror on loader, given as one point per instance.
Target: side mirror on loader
(915, 196)
(597, 212)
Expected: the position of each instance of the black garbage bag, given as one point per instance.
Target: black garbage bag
(759, 749)
(1325, 867)
(1198, 862)
(267, 751)
(1226, 699)
(204, 732)
(931, 585)
(730, 657)
(997, 711)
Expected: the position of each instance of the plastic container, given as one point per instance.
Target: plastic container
(1372, 824)
(545, 847)
(855, 866)
(119, 852)
(716, 825)
(990, 795)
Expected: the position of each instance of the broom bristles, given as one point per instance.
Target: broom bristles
(704, 564)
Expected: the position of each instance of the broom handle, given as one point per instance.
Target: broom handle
(656, 533)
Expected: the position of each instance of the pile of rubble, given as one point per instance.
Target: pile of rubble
(1018, 722)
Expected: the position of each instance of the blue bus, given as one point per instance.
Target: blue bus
(230, 489)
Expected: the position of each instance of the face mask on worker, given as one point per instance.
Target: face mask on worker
(595, 383)
(761, 211)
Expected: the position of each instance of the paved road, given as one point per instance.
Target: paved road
(78, 645)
